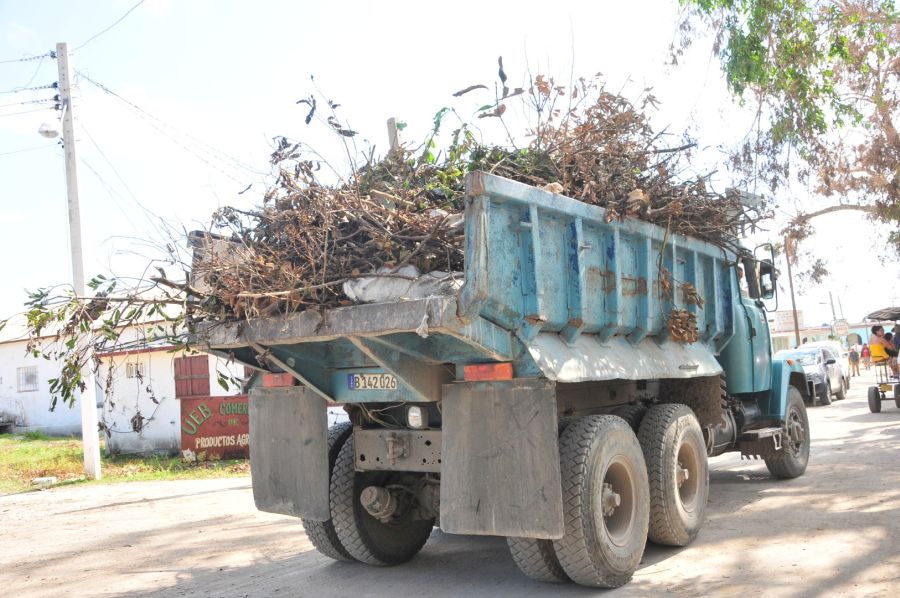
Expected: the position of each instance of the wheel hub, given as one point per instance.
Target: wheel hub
(681, 474)
(609, 500)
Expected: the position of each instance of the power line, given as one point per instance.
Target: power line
(50, 54)
(157, 123)
(27, 149)
(112, 192)
(119, 20)
(53, 85)
(151, 215)
(213, 151)
(41, 101)
(26, 111)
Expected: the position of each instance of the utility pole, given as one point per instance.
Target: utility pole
(393, 133)
(87, 398)
(787, 255)
(833, 314)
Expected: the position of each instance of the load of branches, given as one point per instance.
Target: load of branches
(309, 236)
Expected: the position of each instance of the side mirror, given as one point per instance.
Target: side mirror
(767, 276)
(830, 362)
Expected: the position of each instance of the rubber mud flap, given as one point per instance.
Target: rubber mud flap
(500, 460)
(289, 452)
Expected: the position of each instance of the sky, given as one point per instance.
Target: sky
(203, 86)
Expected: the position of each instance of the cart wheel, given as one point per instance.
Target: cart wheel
(874, 399)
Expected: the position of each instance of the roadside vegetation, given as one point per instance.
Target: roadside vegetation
(34, 455)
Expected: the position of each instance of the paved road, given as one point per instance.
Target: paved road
(834, 531)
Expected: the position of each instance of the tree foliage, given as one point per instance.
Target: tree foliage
(824, 79)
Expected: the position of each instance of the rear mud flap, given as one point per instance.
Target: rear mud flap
(500, 460)
(289, 452)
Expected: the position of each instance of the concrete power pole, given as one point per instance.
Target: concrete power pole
(787, 255)
(88, 398)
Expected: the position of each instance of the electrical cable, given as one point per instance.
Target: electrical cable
(213, 151)
(27, 149)
(163, 132)
(27, 111)
(50, 54)
(150, 215)
(119, 20)
(53, 85)
(112, 192)
(25, 103)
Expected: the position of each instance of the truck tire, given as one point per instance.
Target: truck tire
(875, 399)
(321, 533)
(825, 398)
(364, 537)
(601, 463)
(633, 414)
(675, 452)
(537, 559)
(791, 461)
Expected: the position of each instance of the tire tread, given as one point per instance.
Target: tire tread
(537, 559)
(322, 533)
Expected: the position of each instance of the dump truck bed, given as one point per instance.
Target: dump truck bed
(551, 285)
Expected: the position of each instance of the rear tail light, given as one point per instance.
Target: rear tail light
(488, 371)
(416, 417)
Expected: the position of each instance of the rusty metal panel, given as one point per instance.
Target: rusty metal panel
(289, 452)
(215, 428)
(398, 450)
(500, 459)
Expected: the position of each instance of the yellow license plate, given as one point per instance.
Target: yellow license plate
(371, 382)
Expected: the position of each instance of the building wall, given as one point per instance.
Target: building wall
(143, 415)
(30, 410)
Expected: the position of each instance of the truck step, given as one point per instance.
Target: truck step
(761, 443)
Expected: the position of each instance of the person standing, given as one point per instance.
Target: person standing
(866, 356)
(853, 358)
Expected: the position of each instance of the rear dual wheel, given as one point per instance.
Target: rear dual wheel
(675, 453)
(364, 537)
(606, 501)
(322, 533)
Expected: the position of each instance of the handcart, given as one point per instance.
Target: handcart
(884, 381)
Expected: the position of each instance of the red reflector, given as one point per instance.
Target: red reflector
(790, 361)
(488, 371)
(278, 380)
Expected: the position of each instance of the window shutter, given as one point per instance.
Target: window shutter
(192, 376)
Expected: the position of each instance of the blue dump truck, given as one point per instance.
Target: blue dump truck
(567, 397)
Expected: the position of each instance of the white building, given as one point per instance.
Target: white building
(142, 395)
(138, 398)
(25, 392)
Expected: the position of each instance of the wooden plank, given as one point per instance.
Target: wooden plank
(500, 459)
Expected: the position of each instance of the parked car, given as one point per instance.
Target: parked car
(840, 354)
(823, 373)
